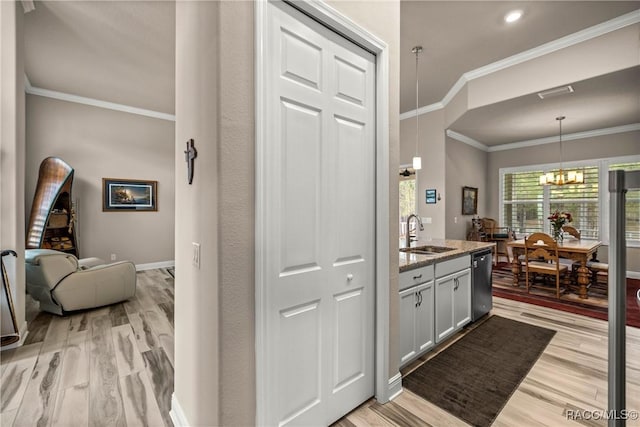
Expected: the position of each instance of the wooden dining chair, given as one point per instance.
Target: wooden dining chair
(541, 257)
(494, 233)
(594, 266)
(571, 230)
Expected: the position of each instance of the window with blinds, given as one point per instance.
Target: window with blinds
(523, 202)
(526, 205)
(632, 206)
(581, 201)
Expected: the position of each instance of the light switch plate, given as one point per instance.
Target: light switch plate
(196, 255)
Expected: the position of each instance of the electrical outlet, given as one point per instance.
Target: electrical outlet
(426, 220)
(196, 254)
(113, 257)
(455, 219)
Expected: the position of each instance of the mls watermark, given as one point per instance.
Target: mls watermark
(599, 414)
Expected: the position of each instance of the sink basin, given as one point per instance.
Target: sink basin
(427, 250)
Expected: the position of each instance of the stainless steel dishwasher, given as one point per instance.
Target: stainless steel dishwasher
(481, 284)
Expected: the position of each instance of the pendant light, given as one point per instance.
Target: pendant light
(573, 177)
(417, 160)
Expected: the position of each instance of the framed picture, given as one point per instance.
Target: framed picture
(431, 196)
(469, 201)
(129, 195)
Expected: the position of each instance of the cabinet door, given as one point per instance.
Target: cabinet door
(408, 300)
(424, 317)
(444, 306)
(462, 298)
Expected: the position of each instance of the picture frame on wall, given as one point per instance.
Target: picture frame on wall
(430, 196)
(469, 201)
(129, 195)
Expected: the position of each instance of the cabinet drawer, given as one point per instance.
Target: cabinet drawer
(415, 277)
(451, 266)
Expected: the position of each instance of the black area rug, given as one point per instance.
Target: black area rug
(474, 377)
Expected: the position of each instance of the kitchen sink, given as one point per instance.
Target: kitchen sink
(427, 250)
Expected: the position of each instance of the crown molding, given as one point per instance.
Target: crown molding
(469, 141)
(32, 90)
(555, 45)
(422, 110)
(27, 83)
(568, 137)
(598, 30)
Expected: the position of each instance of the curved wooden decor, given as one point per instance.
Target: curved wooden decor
(52, 195)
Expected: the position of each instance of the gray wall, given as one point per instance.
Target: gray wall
(215, 384)
(100, 143)
(466, 167)
(431, 148)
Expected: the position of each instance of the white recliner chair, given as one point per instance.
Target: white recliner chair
(62, 283)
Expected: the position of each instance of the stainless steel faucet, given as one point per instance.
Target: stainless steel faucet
(408, 242)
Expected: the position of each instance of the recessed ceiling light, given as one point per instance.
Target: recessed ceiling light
(513, 16)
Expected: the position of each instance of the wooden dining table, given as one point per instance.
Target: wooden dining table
(579, 250)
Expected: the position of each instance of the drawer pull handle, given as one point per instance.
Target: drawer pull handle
(417, 277)
(349, 277)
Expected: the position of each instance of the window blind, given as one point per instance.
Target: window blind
(632, 206)
(581, 201)
(523, 198)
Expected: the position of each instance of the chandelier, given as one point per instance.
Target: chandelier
(572, 177)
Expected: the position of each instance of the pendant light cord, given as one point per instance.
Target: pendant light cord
(417, 51)
(417, 91)
(560, 119)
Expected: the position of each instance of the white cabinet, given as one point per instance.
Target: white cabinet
(416, 315)
(435, 302)
(462, 299)
(452, 296)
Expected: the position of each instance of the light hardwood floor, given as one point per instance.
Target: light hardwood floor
(114, 366)
(111, 366)
(570, 375)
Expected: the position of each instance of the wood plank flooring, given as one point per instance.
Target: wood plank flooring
(570, 375)
(111, 366)
(114, 366)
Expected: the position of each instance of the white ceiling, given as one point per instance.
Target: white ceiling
(124, 52)
(602, 102)
(115, 51)
(461, 36)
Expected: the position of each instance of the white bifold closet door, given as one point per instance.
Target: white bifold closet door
(320, 221)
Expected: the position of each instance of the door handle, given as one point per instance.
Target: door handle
(419, 298)
(457, 283)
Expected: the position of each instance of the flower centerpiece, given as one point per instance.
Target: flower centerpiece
(558, 219)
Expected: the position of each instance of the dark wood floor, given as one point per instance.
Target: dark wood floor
(111, 366)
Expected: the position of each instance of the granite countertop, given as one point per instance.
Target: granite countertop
(409, 261)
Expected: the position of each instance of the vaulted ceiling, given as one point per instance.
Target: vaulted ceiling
(124, 52)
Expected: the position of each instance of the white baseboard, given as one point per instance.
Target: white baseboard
(152, 265)
(177, 414)
(395, 386)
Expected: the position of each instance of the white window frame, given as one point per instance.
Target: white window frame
(603, 185)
